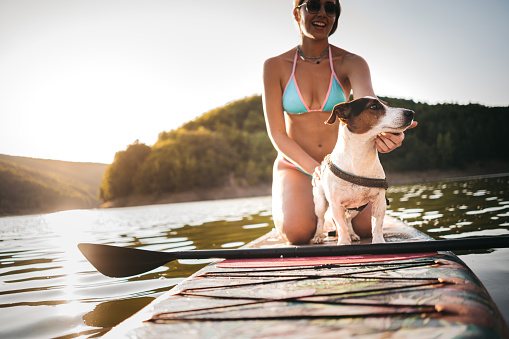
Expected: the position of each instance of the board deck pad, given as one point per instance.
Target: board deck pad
(313, 261)
(433, 295)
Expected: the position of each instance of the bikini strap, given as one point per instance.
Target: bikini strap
(330, 61)
(294, 62)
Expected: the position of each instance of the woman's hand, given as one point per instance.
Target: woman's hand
(317, 175)
(387, 142)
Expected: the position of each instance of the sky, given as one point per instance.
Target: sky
(82, 79)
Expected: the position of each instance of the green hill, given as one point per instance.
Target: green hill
(29, 186)
(450, 136)
(230, 145)
(226, 145)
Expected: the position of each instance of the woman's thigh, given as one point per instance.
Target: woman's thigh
(293, 208)
(292, 204)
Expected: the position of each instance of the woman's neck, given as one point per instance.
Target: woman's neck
(313, 48)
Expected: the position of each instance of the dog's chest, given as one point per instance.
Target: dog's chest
(347, 194)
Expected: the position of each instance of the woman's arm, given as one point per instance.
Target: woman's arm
(359, 76)
(275, 119)
(360, 80)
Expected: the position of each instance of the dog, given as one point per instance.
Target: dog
(352, 175)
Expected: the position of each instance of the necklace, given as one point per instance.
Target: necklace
(312, 59)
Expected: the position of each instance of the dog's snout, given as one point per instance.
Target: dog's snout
(409, 113)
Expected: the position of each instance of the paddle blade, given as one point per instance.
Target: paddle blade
(119, 262)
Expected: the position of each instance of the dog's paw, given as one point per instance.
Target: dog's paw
(319, 238)
(354, 236)
(344, 241)
(378, 239)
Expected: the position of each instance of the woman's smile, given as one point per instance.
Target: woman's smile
(319, 24)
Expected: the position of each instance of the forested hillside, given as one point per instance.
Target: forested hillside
(30, 186)
(225, 144)
(230, 143)
(450, 136)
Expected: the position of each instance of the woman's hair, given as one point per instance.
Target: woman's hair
(335, 25)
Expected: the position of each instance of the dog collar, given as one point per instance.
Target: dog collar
(354, 179)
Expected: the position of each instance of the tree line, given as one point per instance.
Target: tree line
(225, 143)
(231, 143)
(450, 136)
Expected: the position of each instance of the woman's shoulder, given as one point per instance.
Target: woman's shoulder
(344, 55)
(282, 58)
(280, 62)
(346, 58)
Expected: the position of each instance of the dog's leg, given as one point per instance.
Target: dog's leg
(377, 218)
(349, 216)
(339, 218)
(321, 206)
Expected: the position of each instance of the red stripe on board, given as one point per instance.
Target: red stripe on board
(312, 261)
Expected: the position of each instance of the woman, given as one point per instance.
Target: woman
(301, 86)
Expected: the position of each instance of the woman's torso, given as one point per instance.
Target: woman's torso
(314, 82)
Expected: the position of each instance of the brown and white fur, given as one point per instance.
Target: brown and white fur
(355, 153)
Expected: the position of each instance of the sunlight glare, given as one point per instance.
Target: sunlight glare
(70, 228)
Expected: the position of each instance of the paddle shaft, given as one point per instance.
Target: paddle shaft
(116, 261)
(324, 251)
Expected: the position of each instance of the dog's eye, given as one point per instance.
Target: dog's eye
(375, 106)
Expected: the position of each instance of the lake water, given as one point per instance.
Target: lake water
(48, 290)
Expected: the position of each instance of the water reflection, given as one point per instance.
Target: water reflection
(110, 313)
(50, 290)
(454, 208)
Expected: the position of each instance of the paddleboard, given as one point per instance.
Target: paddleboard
(423, 295)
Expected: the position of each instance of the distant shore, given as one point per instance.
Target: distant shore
(414, 177)
(234, 191)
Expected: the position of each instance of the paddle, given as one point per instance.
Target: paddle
(118, 262)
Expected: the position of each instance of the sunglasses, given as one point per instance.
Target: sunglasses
(314, 6)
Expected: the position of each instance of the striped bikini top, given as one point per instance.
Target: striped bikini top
(293, 103)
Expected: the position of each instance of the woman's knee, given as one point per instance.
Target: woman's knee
(362, 222)
(297, 231)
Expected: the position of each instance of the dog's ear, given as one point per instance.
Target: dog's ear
(340, 111)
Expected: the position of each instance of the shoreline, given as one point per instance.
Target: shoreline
(233, 190)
